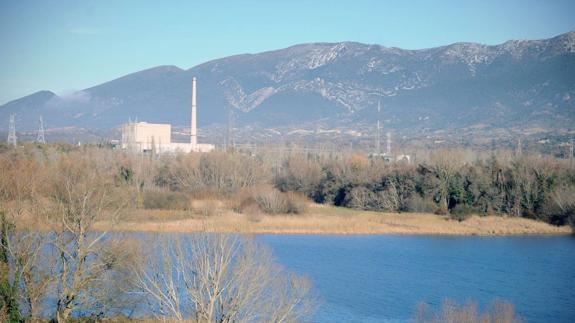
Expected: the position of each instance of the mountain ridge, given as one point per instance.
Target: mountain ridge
(460, 84)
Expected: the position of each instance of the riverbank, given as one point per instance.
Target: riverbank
(329, 220)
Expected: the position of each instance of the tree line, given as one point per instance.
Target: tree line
(453, 182)
(457, 183)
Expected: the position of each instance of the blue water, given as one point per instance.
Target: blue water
(383, 278)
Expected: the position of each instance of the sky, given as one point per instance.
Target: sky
(66, 45)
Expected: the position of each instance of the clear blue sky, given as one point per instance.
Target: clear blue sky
(65, 45)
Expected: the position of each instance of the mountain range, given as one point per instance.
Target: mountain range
(518, 83)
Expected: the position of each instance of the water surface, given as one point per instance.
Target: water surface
(380, 278)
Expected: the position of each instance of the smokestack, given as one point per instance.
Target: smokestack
(194, 131)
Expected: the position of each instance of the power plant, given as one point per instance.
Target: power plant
(157, 137)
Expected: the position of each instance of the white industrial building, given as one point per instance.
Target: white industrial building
(157, 137)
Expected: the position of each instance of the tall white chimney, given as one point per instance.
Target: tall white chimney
(194, 131)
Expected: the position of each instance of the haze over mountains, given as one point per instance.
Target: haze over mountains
(517, 83)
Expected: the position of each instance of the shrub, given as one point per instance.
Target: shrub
(297, 203)
(272, 202)
(461, 212)
(418, 204)
(268, 200)
(440, 210)
(165, 200)
(499, 311)
(253, 213)
(242, 201)
(206, 207)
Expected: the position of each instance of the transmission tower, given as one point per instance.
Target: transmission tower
(519, 147)
(12, 132)
(230, 135)
(571, 154)
(388, 144)
(40, 138)
(378, 138)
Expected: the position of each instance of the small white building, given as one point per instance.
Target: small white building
(157, 137)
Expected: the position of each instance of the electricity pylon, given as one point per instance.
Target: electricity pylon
(12, 132)
(40, 138)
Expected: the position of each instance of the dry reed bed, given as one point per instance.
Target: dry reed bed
(329, 220)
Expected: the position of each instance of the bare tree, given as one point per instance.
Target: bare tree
(31, 269)
(221, 278)
(213, 173)
(26, 269)
(299, 173)
(390, 198)
(360, 198)
(83, 189)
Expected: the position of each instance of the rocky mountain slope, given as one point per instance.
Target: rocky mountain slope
(517, 83)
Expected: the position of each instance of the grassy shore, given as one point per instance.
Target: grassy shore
(329, 220)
